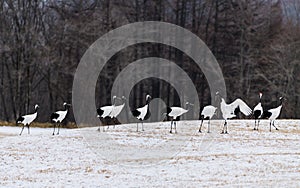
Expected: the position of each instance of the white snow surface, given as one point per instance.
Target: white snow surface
(242, 158)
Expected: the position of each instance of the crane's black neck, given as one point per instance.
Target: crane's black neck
(281, 101)
(148, 101)
(124, 100)
(114, 101)
(67, 106)
(36, 109)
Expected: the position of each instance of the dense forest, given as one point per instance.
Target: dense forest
(256, 43)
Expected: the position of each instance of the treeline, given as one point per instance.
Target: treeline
(256, 42)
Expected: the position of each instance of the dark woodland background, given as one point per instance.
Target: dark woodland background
(256, 42)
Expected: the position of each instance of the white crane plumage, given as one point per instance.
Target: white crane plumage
(174, 113)
(228, 110)
(116, 110)
(274, 113)
(104, 112)
(257, 112)
(26, 120)
(207, 113)
(58, 116)
(142, 113)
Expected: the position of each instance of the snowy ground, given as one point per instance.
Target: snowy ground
(241, 158)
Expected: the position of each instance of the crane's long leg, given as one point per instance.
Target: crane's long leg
(223, 131)
(99, 129)
(103, 123)
(58, 127)
(107, 125)
(54, 128)
(270, 125)
(143, 126)
(100, 125)
(274, 125)
(208, 126)
(22, 129)
(257, 124)
(137, 127)
(175, 123)
(171, 126)
(201, 125)
(223, 127)
(28, 129)
(254, 124)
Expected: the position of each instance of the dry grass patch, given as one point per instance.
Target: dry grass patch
(70, 125)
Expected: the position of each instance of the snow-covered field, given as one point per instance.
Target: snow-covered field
(187, 159)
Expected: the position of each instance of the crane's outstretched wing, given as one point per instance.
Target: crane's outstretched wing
(243, 107)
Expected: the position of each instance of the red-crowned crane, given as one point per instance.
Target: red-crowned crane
(229, 110)
(104, 112)
(26, 120)
(207, 113)
(175, 112)
(58, 116)
(117, 110)
(274, 113)
(142, 113)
